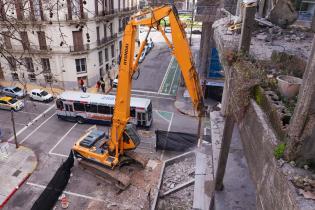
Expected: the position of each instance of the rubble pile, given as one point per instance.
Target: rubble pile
(174, 175)
(182, 199)
(178, 173)
(277, 33)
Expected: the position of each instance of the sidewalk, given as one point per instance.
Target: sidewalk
(16, 166)
(53, 90)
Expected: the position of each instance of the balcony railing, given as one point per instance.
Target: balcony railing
(79, 48)
(106, 40)
(127, 9)
(30, 48)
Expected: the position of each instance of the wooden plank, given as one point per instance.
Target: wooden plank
(225, 147)
(178, 187)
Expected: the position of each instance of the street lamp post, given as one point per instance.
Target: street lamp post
(192, 21)
(14, 132)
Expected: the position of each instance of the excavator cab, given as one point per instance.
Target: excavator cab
(131, 135)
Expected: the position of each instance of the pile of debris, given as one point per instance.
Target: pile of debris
(177, 190)
(277, 33)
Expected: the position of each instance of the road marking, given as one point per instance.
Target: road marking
(60, 155)
(165, 75)
(164, 118)
(69, 193)
(173, 99)
(168, 129)
(32, 122)
(62, 138)
(150, 92)
(38, 127)
(169, 92)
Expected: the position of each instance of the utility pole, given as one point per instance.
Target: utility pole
(192, 21)
(13, 124)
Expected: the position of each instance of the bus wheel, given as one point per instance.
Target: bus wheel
(80, 120)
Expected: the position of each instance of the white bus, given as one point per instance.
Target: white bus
(97, 108)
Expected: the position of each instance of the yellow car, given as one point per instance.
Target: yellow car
(10, 103)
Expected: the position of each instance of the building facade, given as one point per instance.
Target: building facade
(61, 43)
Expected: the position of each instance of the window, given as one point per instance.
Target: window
(79, 107)
(105, 31)
(48, 78)
(7, 40)
(91, 108)
(19, 9)
(98, 34)
(42, 40)
(75, 7)
(113, 50)
(29, 64)
(100, 57)
(80, 65)
(12, 63)
(32, 77)
(25, 42)
(133, 112)
(15, 76)
(111, 29)
(59, 104)
(2, 11)
(96, 7)
(46, 65)
(103, 109)
(37, 7)
(106, 55)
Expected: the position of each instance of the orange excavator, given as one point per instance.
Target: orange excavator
(103, 154)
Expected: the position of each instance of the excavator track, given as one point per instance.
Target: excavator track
(122, 181)
(139, 159)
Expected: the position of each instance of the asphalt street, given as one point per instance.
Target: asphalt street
(38, 128)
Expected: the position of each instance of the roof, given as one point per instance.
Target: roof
(6, 98)
(36, 90)
(101, 99)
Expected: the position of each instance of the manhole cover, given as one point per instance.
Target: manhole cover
(16, 173)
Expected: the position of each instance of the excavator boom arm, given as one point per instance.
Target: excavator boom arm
(181, 51)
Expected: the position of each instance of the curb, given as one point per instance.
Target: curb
(23, 180)
(183, 112)
(14, 190)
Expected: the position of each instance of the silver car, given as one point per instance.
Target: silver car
(14, 92)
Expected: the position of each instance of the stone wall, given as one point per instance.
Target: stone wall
(273, 187)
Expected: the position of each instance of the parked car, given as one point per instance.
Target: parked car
(142, 57)
(13, 92)
(41, 95)
(196, 32)
(168, 30)
(146, 49)
(10, 103)
(150, 44)
(115, 82)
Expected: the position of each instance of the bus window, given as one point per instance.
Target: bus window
(133, 112)
(103, 109)
(91, 108)
(78, 106)
(59, 104)
(112, 110)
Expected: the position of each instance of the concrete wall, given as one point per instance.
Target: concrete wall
(273, 187)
